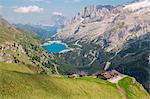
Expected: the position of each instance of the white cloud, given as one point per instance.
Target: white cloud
(57, 13)
(29, 9)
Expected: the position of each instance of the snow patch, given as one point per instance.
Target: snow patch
(77, 43)
(66, 50)
(138, 5)
(81, 19)
(107, 65)
(52, 42)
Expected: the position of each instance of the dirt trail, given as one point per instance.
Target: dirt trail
(122, 92)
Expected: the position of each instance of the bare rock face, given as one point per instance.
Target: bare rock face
(92, 13)
(108, 26)
(8, 51)
(13, 46)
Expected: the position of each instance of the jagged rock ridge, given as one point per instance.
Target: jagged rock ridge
(109, 26)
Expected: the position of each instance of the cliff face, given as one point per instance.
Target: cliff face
(93, 13)
(14, 47)
(108, 26)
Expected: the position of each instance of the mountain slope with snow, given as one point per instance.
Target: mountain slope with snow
(111, 34)
(108, 26)
(138, 5)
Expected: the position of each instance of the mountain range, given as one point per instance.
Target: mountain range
(107, 25)
(118, 36)
(102, 38)
(44, 31)
(27, 71)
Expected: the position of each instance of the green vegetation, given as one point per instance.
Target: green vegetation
(15, 67)
(133, 89)
(26, 85)
(23, 48)
(20, 82)
(80, 59)
(17, 81)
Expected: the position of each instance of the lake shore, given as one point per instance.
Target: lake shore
(49, 43)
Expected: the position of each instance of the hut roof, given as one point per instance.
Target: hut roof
(109, 74)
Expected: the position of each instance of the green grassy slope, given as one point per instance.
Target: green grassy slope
(20, 83)
(29, 51)
(27, 85)
(133, 89)
(15, 67)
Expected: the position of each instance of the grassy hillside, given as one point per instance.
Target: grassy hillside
(21, 47)
(20, 83)
(15, 67)
(133, 89)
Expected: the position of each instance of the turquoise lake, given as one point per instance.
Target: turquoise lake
(55, 47)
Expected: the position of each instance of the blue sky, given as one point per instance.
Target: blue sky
(40, 11)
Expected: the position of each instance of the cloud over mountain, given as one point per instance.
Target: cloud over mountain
(28, 9)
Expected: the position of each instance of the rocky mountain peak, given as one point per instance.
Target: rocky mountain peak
(109, 26)
(92, 13)
(109, 7)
